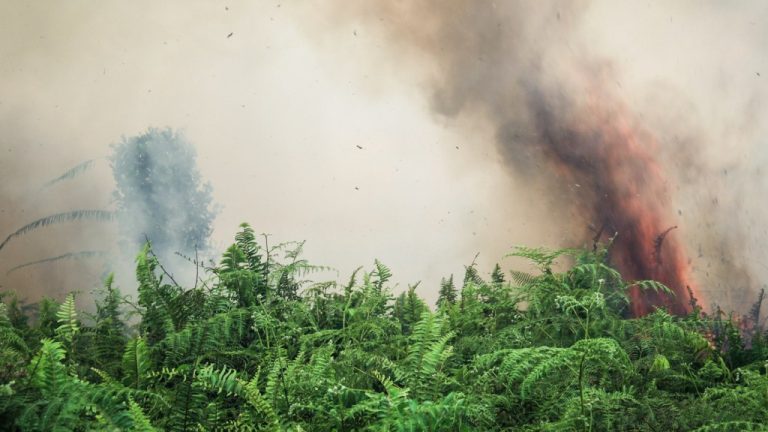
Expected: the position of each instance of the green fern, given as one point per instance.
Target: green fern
(69, 327)
(71, 173)
(46, 370)
(140, 421)
(71, 216)
(733, 426)
(67, 256)
(136, 363)
(541, 257)
(259, 347)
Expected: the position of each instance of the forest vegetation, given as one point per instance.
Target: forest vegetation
(254, 345)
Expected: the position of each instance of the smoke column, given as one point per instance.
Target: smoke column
(550, 102)
(161, 198)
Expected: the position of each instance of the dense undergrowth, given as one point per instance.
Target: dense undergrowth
(254, 347)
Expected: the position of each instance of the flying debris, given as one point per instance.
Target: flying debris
(359, 146)
(230, 35)
(598, 235)
(658, 242)
(574, 127)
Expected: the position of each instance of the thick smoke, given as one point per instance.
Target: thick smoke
(524, 69)
(160, 195)
(312, 123)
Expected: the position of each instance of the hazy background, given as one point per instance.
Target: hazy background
(277, 110)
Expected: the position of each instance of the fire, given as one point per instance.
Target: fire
(598, 144)
(525, 71)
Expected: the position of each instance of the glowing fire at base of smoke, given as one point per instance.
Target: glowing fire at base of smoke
(598, 144)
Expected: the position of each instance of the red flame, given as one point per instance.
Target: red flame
(601, 146)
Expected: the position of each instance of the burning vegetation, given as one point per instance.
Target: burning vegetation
(607, 338)
(622, 189)
(558, 123)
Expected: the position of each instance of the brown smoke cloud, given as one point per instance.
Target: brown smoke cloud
(553, 94)
(446, 100)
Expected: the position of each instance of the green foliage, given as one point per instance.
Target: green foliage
(109, 330)
(497, 276)
(258, 347)
(409, 308)
(67, 317)
(448, 293)
(135, 363)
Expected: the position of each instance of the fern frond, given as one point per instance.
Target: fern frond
(140, 421)
(46, 370)
(562, 362)
(67, 320)
(321, 362)
(70, 173)
(542, 257)
(741, 426)
(437, 354)
(293, 254)
(67, 256)
(382, 274)
(10, 338)
(136, 362)
(522, 278)
(220, 380)
(392, 390)
(653, 286)
(71, 216)
(245, 240)
(206, 339)
(261, 404)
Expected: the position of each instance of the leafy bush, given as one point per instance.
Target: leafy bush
(255, 346)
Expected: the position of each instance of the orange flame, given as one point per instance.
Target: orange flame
(600, 145)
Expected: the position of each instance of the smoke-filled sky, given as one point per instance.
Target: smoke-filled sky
(446, 99)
